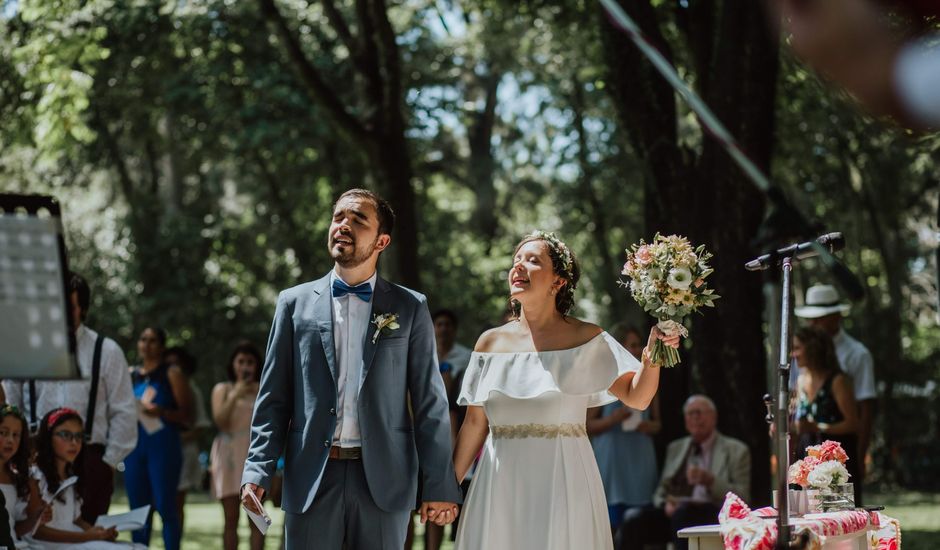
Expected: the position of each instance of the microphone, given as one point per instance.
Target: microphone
(830, 241)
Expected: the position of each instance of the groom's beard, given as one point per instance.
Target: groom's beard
(352, 256)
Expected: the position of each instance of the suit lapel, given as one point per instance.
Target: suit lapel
(719, 455)
(381, 303)
(323, 313)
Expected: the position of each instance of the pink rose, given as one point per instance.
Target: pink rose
(643, 255)
(628, 268)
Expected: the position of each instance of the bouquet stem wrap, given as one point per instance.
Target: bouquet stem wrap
(664, 355)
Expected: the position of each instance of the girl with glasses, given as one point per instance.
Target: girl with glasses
(58, 454)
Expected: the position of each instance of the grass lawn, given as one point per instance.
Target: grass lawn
(919, 514)
(203, 525)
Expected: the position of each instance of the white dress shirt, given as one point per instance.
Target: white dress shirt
(350, 330)
(115, 408)
(857, 362)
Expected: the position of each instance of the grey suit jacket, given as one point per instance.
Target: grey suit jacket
(730, 464)
(295, 412)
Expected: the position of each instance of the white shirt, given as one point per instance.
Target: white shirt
(115, 408)
(857, 362)
(350, 328)
(459, 358)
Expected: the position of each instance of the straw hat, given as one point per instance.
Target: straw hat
(821, 300)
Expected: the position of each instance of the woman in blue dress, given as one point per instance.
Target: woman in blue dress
(623, 444)
(152, 470)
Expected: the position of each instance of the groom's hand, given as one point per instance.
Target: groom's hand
(249, 502)
(439, 513)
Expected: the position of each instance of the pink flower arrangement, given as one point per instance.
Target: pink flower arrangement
(815, 455)
(828, 450)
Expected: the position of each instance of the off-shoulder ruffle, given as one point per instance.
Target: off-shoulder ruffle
(588, 369)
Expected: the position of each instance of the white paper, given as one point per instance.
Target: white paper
(151, 424)
(262, 521)
(65, 485)
(632, 421)
(128, 521)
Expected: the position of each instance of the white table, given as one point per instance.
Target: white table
(708, 537)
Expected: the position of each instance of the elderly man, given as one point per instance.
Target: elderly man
(824, 310)
(699, 470)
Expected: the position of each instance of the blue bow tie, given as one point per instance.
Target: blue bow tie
(363, 291)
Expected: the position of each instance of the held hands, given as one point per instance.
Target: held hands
(439, 513)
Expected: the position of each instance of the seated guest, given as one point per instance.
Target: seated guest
(699, 470)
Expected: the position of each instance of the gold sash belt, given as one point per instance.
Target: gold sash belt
(542, 431)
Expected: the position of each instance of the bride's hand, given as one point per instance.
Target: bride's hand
(656, 334)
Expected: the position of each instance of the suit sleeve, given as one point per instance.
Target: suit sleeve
(271, 418)
(431, 411)
(739, 474)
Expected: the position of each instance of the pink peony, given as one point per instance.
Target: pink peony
(643, 255)
(828, 450)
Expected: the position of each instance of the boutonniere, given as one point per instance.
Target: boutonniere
(384, 321)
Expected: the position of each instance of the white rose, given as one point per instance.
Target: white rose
(680, 278)
(819, 478)
(828, 473)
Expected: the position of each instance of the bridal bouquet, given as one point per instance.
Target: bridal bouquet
(667, 278)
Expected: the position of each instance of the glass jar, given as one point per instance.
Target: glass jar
(834, 498)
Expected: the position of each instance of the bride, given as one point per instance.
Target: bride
(528, 387)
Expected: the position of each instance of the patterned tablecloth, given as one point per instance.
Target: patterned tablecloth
(744, 529)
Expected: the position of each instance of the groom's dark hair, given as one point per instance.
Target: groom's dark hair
(382, 207)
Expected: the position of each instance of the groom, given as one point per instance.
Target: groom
(345, 354)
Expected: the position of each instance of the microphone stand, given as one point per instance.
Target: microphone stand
(782, 416)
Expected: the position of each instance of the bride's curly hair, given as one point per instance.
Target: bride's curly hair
(564, 264)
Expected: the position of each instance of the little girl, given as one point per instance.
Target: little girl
(14, 475)
(58, 446)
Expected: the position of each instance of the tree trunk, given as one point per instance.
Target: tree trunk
(708, 199)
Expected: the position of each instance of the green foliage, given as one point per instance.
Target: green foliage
(197, 172)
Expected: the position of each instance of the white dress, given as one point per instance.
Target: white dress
(64, 515)
(537, 486)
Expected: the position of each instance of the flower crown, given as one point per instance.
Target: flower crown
(8, 409)
(561, 250)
